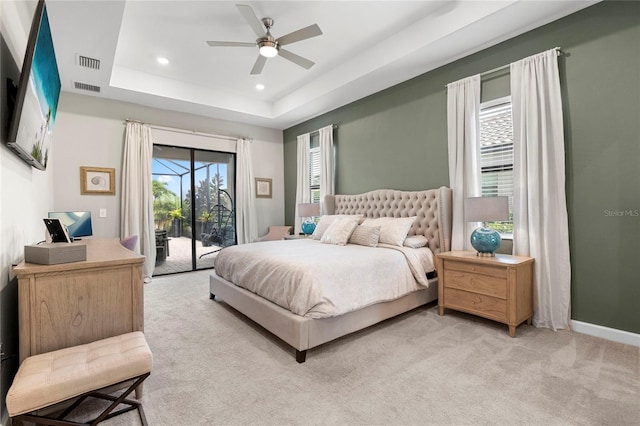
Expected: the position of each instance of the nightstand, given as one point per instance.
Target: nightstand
(498, 288)
(296, 237)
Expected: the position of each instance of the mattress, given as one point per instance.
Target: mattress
(318, 280)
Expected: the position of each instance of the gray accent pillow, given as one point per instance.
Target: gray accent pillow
(365, 235)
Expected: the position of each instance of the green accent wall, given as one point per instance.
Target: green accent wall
(397, 139)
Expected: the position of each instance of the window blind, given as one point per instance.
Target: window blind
(314, 174)
(496, 152)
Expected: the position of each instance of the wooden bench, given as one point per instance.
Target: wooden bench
(76, 373)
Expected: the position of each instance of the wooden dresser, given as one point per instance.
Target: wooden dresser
(499, 288)
(79, 302)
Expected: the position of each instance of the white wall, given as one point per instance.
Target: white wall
(90, 132)
(84, 140)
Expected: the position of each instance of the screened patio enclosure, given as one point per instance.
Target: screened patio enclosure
(194, 206)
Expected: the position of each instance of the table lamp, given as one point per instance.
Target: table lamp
(486, 209)
(308, 210)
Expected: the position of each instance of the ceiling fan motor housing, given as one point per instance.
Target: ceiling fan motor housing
(268, 45)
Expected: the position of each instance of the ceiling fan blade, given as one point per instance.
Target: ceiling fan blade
(257, 67)
(251, 18)
(302, 34)
(230, 44)
(296, 59)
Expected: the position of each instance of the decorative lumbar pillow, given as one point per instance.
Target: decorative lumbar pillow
(416, 241)
(393, 230)
(365, 235)
(339, 231)
(327, 219)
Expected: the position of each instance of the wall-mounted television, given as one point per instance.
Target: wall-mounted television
(36, 101)
(78, 224)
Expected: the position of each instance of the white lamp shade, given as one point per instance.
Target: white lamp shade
(486, 209)
(308, 209)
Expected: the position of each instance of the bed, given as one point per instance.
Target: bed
(306, 330)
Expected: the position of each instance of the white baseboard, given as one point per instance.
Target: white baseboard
(619, 336)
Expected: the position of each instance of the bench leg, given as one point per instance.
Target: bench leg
(139, 390)
(121, 399)
(106, 414)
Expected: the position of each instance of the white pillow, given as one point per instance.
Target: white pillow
(393, 230)
(327, 219)
(416, 241)
(365, 236)
(339, 231)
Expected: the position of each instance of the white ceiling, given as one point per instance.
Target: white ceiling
(366, 46)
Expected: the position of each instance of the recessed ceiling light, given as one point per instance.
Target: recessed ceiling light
(260, 86)
(163, 61)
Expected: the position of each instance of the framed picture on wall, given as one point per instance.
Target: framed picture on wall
(263, 188)
(97, 181)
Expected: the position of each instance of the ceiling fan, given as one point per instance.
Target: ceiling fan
(267, 44)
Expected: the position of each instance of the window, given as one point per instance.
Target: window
(496, 155)
(314, 170)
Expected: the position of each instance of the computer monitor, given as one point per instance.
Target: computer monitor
(78, 223)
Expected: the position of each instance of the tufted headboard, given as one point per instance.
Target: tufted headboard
(432, 208)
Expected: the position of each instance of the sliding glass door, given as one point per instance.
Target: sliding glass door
(194, 207)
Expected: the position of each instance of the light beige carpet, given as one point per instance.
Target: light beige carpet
(212, 366)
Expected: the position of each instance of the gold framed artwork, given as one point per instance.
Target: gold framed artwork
(263, 188)
(97, 181)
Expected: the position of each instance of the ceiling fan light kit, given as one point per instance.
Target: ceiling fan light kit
(268, 46)
(268, 49)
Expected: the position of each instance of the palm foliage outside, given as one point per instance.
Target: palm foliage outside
(165, 204)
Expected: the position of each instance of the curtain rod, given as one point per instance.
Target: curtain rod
(334, 126)
(189, 132)
(482, 74)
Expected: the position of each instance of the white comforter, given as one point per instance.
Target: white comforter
(319, 280)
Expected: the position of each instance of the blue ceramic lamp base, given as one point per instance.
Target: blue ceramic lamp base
(486, 241)
(308, 227)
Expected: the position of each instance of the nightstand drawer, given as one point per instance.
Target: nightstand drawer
(476, 283)
(480, 304)
(498, 272)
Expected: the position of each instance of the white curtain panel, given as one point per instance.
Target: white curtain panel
(539, 203)
(246, 221)
(327, 175)
(302, 179)
(463, 136)
(136, 199)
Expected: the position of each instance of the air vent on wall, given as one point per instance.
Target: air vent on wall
(85, 86)
(85, 61)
